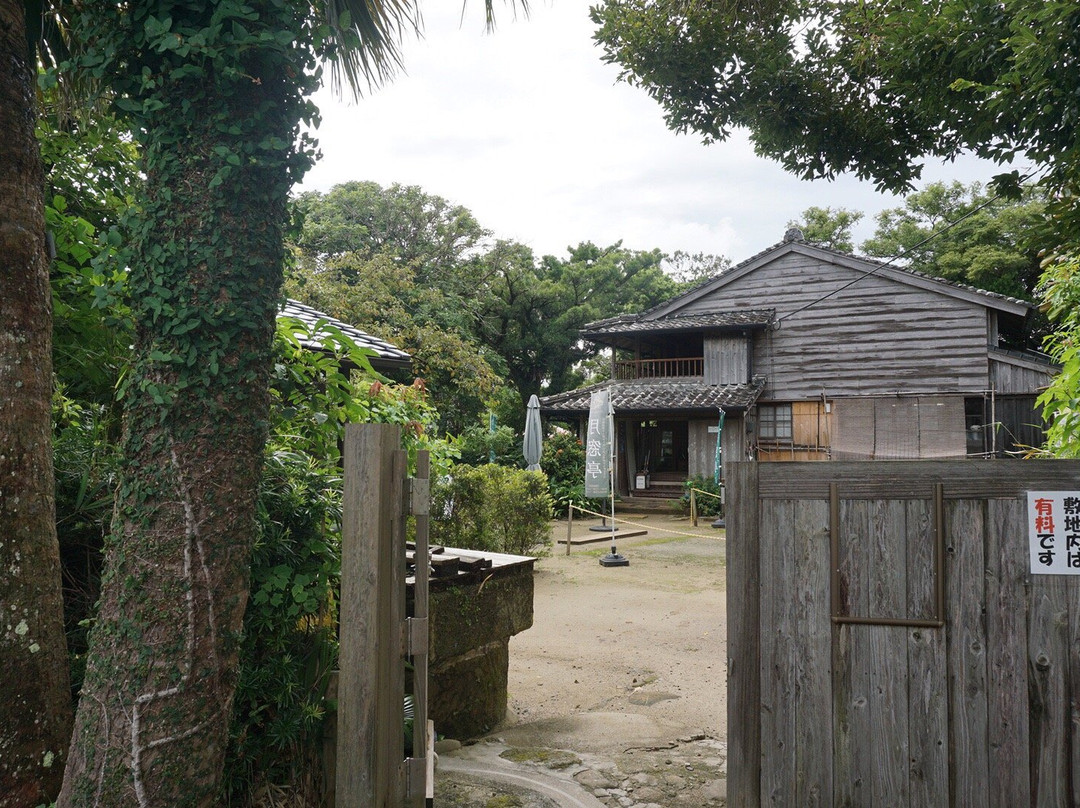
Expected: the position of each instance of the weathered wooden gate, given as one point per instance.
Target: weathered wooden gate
(887, 642)
(376, 636)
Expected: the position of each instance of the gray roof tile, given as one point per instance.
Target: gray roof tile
(386, 355)
(627, 323)
(640, 396)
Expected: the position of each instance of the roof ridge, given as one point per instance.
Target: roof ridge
(858, 257)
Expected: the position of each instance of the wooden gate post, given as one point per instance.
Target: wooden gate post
(744, 646)
(371, 686)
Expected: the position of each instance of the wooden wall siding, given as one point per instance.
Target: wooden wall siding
(702, 446)
(702, 456)
(734, 439)
(1022, 418)
(898, 428)
(1016, 376)
(979, 712)
(727, 359)
(878, 336)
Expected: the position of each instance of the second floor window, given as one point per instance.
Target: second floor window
(774, 422)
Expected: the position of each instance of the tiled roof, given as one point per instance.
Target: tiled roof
(627, 323)
(386, 355)
(643, 396)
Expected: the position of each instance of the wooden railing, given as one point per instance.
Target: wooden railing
(676, 367)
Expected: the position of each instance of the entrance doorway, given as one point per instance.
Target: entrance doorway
(664, 447)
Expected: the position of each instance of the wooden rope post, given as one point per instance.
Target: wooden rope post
(569, 525)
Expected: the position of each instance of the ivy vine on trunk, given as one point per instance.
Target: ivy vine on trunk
(215, 92)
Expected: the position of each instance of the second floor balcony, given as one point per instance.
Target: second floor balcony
(685, 367)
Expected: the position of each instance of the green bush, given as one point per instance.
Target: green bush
(492, 508)
(563, 460)
(478, 442)
(290, 640)
(707, 506)
(290, 637)
(289, 643)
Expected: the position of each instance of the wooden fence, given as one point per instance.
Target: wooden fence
(887, 642)
(376, 635)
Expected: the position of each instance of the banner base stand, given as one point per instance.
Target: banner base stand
(614, 559)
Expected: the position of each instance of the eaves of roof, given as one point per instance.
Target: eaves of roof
(386, 356)
(749, 319)
(871, 266)
(658, 397)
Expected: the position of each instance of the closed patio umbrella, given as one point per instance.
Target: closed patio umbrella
(533, 444)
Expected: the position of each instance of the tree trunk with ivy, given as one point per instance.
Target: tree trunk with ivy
(35, 701)
(217, 92)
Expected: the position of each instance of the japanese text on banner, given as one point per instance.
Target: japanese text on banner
(1054, 532)
(598, 446)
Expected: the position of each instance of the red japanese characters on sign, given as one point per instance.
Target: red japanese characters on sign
(1054, 532)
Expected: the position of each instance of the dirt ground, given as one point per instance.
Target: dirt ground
(618, 690)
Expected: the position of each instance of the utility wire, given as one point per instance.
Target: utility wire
(881, 265)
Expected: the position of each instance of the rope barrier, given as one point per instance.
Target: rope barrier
(576, 507)
(707, 493)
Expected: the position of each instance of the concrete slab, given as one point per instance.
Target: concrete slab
(482, 762)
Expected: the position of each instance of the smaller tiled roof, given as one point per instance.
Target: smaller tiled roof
(386, 355)
(629, 323)
(642, 396)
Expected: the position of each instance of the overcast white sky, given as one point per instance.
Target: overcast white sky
(529, 130)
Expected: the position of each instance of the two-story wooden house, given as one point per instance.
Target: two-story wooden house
(814, 354)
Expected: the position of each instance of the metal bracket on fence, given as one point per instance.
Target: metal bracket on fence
(937, 620)
(418, 496)
(415, 636)
(414, 773)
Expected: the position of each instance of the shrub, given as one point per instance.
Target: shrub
(478, 442)
(492, 508)
(563, 460)
(707, 506)
(290, 644)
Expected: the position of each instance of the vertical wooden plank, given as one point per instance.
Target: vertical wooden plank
(422, 523)
(778, 648)
(965, 588)
(888, 654)
(743, 637)
(852, 758)
(1050, 710)
(364, 763)
(1006, 652)
(812, 655)
(392, 681)
(928, 703)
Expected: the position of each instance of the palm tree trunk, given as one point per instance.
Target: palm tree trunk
(35, 701)
(206, 273)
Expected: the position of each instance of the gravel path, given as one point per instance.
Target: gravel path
(618, 690)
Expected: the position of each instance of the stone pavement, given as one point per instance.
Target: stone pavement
(690, 772)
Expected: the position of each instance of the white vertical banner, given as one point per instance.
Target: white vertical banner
(598, 446)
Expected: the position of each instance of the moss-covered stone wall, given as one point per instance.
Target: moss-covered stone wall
(471, 627)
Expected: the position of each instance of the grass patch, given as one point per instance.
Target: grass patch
(551, 758)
